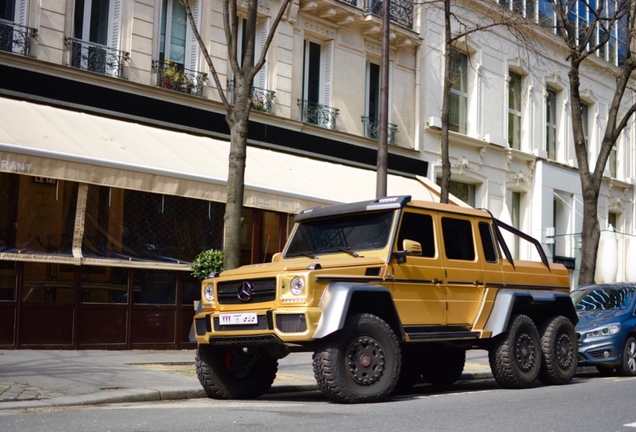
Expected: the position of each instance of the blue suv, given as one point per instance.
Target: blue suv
(606, 330)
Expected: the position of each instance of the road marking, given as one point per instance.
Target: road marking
(630, 425)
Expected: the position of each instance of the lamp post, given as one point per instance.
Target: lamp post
(383, 121)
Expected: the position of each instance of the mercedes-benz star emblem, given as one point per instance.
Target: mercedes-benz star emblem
(244, 292)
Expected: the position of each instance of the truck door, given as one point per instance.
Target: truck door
(464, 272)
(418, 289)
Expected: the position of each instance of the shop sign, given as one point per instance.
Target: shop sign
(14, 166)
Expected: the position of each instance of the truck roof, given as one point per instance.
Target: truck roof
(389, 202)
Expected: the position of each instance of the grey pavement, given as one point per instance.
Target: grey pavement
(49, 378)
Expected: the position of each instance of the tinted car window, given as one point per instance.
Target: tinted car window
(603, 299)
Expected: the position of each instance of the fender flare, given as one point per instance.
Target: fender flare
(335, 303)
(505, 301)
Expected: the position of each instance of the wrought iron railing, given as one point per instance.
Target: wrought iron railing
(173, 76)
(262, 99)
(401, 11)
(371, 129)
(351, 2)
(16, 38)
(317, 114)
(95, 57)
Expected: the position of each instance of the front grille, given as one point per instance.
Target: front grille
(261, 325)
(291, 323)
(262, 290)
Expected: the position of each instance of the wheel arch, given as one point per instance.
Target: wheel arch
(341, 299)
(537, 304)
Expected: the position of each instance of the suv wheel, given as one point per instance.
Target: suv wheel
(560, 350)
(360, 363)
(516, 356)
(234, 372)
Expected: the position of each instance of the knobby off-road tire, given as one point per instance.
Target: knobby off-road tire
(515, 358)
(559, 349)
(233, 372)
(360, 363)
(628, 367)
(443, 364)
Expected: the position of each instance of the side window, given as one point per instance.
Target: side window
(487, 242)
(458, 239)
(418, 227)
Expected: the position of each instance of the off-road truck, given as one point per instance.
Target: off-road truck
(388, 293)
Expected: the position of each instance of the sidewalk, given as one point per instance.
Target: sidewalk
(46, 378)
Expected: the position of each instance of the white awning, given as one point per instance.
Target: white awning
(40, 140)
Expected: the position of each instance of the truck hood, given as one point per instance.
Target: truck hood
(301, 264)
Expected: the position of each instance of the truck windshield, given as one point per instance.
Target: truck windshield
(343, 233)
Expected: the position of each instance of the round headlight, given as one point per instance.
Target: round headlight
(208, 292)
(297, 286)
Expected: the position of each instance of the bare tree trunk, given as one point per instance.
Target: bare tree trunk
(444, 142)
(233, 217)
(383, 121)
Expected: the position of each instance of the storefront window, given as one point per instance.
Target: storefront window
(152, 227)
(191, 289)
(7, 280)
(37, 215)
(48, 282)
(104, 285)
(155, 287)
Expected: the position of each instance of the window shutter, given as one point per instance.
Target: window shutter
(192, 46)
(260, 80)
(114, 31)
(21, 12)
(328, 69)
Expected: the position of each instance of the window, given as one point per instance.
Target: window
(546, 16)
(317, 76)
(95, 29)
(611, 161)
(418, 227)
(487, 242)
(373, 92)
(514, 110)
(262, 29)
(586, 123)
(463, 191)
(459, 93)
(458, 239)
(550, 124)
(176, 42)
(513, 202)
(13, 38)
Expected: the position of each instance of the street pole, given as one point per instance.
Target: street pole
(383, 121)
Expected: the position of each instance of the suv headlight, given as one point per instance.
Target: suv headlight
(208, 293)
(608, 330)
(297, 286)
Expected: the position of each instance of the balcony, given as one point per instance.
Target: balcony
(262, 99)
(400, 11)
(371, 129)
(98, 58)
(16, 38)
(173, 76)
(317, 114)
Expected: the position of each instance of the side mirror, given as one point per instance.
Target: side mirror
(409, 247)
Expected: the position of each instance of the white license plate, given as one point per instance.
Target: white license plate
(238, 319)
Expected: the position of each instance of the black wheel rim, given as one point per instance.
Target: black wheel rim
(564, 351)
(524, 352)
(365, 360)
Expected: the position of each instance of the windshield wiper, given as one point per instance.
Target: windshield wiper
(343, 249)
(308, 254)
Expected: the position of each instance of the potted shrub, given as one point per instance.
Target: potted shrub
(174, 77)
(207, 263)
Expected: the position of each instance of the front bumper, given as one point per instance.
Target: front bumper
(602, 353)
(288, 325)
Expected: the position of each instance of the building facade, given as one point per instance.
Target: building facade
(114, 147)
